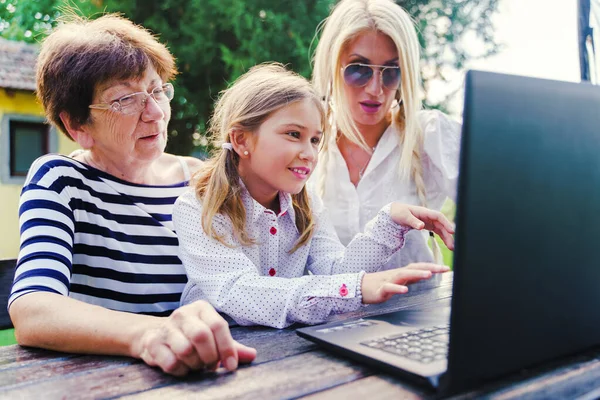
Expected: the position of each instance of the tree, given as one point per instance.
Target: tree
(215, 41)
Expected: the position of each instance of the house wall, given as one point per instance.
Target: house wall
(18, 102)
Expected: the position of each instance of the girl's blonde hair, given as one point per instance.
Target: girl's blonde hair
(348, 20)
(245, 105)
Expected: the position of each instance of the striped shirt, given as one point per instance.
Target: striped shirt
(96, 238)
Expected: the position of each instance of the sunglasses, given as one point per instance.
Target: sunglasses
(358, 75)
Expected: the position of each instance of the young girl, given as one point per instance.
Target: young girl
(250, 229)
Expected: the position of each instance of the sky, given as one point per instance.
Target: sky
(539, 39)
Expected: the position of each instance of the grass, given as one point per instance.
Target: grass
(448, 209)
(7, 337)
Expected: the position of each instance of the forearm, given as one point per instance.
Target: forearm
(370, 250)
(279, 302)
(55, 322)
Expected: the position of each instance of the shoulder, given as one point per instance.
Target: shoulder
(441, 133)
(170, 164)
(188, 200)
(53, 165)
(188, 204)
(193, 163)
(436, 122)
(316, 203)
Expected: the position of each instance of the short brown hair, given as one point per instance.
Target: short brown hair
(81, 54)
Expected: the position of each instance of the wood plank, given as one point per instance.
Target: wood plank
(57, 369)
(290, 377)
(273, 344)
(567, 378)
(372, 388)
(108, 380)
(15, 356)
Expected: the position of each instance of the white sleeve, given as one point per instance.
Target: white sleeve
(230, 281)
(368, 251)
(441, 149)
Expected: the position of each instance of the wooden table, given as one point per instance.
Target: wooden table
(286, 366)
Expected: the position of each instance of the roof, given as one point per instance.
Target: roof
(17, 64)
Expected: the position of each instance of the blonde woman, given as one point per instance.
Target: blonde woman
(249, 228)
(384, 147)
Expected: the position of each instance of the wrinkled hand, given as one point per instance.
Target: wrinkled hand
(193, 337)
(378, 287)
(423, 218)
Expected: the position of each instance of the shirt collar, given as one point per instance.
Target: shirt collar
(254, 210)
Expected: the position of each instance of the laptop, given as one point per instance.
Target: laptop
(526, 285)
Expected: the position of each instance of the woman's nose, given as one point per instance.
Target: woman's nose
(152, 110)
(374, 86)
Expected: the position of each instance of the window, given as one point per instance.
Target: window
(28, 141)
(23, 138)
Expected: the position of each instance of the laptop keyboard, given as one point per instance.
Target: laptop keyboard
(424, 345)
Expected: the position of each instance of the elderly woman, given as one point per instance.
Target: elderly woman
(98, 270)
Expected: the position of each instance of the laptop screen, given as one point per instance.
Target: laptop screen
(527, 268)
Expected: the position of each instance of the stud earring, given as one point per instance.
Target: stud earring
(245, 152)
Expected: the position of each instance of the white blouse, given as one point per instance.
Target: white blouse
(350, 207)
(265, 283)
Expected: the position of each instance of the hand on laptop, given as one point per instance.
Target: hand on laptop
(378, 287)
(423, 218)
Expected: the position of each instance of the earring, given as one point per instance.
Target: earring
(245, 152)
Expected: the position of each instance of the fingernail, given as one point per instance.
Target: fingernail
(231, 363)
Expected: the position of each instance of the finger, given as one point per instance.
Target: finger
(445, 223)
(245, 354)
(414, 222)
(448, 240)
(188, 321)
(406, 276)
(166, 360)
(389, 289)
(434, 268)
(222, 337)
(184, 350)
(445, 235)
(147, 358)
(201, 338)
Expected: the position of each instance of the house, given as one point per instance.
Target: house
(24, 135)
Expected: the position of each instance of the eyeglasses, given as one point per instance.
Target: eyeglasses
(136, 102)
(358, 75)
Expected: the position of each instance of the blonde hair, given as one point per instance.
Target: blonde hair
(245, 105)
(348, 20)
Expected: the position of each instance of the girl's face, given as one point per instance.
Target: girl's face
(283, 152)
(370, 104)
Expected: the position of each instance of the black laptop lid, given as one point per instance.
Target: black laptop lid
(527, 269)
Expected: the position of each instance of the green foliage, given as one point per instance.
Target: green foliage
(7, 337)
(215, 41)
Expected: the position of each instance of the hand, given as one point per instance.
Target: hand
(378, 287)
(423, 218)
(193, 337)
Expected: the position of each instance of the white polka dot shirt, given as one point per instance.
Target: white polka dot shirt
(264, 284)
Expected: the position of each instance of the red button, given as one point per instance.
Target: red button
(344, 290)
(273, 230)
(272, 272)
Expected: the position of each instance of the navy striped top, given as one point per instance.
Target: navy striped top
(96, 238)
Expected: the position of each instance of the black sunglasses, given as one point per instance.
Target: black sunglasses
(358, 75)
